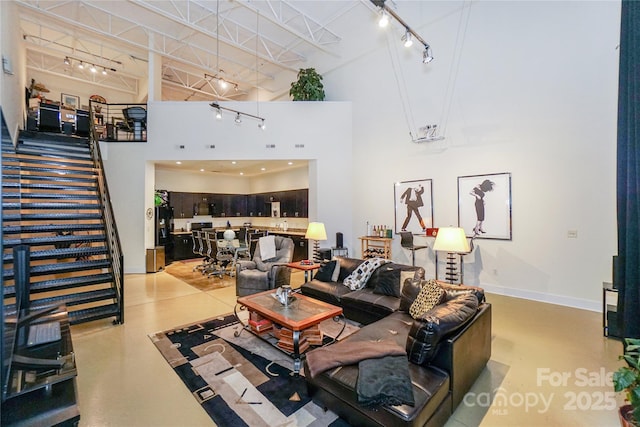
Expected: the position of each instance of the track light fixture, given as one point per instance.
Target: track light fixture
(239, 114)
(92, 67)
(409, 34)
(407, 39)
(427, 56)
(384, 19)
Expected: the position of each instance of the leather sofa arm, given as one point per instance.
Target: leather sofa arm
(428, 331)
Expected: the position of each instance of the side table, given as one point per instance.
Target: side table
(307, 268)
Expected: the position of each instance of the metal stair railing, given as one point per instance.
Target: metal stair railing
(111, 230)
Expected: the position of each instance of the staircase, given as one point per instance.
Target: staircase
(55, 200)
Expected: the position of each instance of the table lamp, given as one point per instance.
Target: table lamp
(453, 241)
(316, 232)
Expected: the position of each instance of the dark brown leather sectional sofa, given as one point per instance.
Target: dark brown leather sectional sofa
(447, 348)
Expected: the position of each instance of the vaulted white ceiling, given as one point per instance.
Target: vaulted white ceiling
(248, 44)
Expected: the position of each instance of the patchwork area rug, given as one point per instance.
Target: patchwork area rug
(241, 381)
(183, 270)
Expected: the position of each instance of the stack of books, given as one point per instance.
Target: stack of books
(313, 335)
(259, 324)
(286, 341)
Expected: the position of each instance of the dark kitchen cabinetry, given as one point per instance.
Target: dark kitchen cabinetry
(300, 245)
(182, 247)
(182, 204)
(293, 204)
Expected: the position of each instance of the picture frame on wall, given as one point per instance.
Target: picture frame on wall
(484, 205)
(70, 101)
(413, 201)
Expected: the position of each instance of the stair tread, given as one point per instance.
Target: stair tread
(53, 240)
(49, 228)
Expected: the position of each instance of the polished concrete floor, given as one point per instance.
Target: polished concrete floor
(550, 365)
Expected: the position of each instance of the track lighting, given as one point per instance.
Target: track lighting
(409, 34)
(222, 83)
(384, 19)
(93, 69)
(104, 71)
(81, 65)
(407, 39)
(239, 114)
(427, 56)
(67, 61)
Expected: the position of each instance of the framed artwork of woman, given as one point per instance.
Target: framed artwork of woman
(484, 205)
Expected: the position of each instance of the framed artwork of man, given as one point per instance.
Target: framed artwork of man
(413, 206)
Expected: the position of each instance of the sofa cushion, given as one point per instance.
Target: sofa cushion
(347, 266)
(331, 292)
(408, 293)
(359, 277)
(364, 306)
(433, 326)
(429, 296)
(388, 278)
(327, 271)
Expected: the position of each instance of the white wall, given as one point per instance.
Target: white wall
(193, 125)
(12, 86)
(535, 95)
(200, 182)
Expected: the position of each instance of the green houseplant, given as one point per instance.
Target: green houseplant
(627, 380)
(308, 87)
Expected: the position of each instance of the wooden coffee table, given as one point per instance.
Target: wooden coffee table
(304, 313)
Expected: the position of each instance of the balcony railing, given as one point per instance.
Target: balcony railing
(119, 122)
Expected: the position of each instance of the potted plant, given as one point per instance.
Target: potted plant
(627, 379)
(308, 87)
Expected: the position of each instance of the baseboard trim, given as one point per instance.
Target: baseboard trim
(545, 297)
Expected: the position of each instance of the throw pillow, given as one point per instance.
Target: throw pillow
(326, 272)
(389, 279)
(358, 278)
(430, 295)
(336, 271)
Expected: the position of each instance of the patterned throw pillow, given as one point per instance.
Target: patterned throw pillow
(358, 278)
(430, 295)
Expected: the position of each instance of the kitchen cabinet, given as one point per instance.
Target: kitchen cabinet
(182, 204)
(293, 203)
(182, 247)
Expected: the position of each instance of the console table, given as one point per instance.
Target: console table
(373, 247)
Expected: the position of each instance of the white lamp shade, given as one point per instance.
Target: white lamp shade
(451, 239)
(229, 234)
(316, 231)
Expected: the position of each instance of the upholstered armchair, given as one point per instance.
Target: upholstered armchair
(260, 274)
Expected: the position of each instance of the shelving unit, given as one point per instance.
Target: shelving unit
(373, 247)
(609, 310)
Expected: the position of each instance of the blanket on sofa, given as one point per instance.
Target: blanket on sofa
(384, 381)
(350, 352)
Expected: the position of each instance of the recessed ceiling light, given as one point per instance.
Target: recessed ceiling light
(263, 169)
(241, 173)
(178, 163)
(290, 163)
(201, 170)
(233, 162)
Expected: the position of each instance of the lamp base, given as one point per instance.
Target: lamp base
(453, 275)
